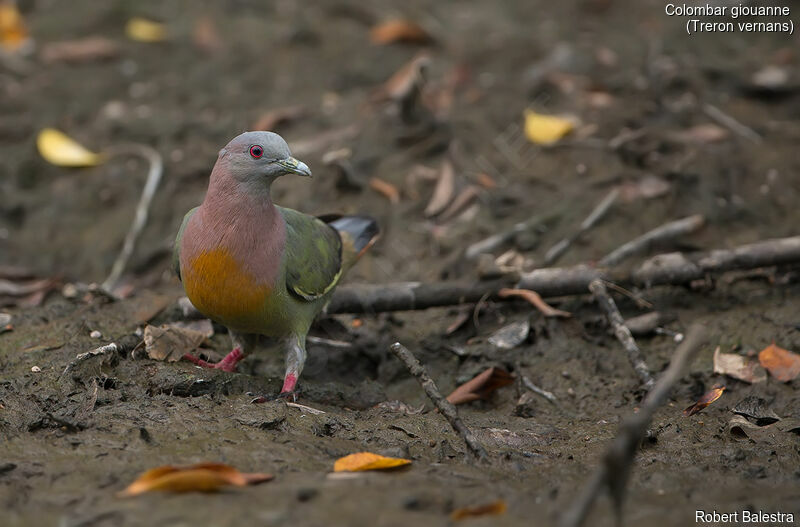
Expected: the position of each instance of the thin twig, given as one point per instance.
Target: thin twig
(494, 241)
(142, 209)
(447, 409)
(555, 252)
(331, 343)
(732, 124)
(537, 390)
(617, 462)
(646, 241)
(81, 357)
(621, 331)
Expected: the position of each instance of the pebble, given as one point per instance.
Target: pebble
(35, 369)
(95, 334)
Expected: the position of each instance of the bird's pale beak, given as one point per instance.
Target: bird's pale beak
(293, 166)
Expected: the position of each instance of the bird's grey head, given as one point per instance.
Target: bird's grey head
(260, 157)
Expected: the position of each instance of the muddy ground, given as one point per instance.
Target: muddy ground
(65, 450)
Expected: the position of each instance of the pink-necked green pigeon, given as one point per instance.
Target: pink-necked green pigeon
(257, 268)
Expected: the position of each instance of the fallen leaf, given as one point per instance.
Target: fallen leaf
(367, 461)
(386, 189)
(13, 33)
(398, 30)
(546, 129)
(145, 30)
(205, 36)
(82, 50)
(444, 190)
(755, 409)
(707, 398)
(510, 336)
(203, 477)
(703, 134)
(170, 343)
(460, 202)
(647, 187)
(271, 119)
(61, 150)
(533, 298)
(481, 386)
(409, 77)
(780, 363)
(495, 508)
(743, 368)
(486, 181)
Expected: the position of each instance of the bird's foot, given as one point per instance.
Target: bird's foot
(228, 363)
(289, 391)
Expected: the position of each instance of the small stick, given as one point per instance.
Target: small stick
(555, 252)
(623, 334)
(494, 241)
(142, 209)
(81, 357)
(447, 409)
(331, 343)
(643, 243)
(732, 124)
(539, 391)
(618, 459)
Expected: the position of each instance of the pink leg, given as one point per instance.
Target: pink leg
(228, 363)
(289, 383)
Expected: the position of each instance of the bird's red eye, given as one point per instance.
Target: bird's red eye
(256, 151)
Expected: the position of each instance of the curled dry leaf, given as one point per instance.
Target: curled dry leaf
(707, 398)
(743, 368)
(203, 477)
(494, 508)
(461, 201)
(398, 30)
(61, 150)
(408, 78)
(82, 50)
(367, 461)
(13, 33)
(756, 410)
(546, 129)
(170, 343)
(385, 189)
(534, 299)
(444, 190)
(481, 386)
(780, 363)
(145, 30)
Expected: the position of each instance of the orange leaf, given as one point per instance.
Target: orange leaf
(13, 33)
(202, 477)
(385, 188)
(707, 398)
(367, 461)
(494, 508)
(398, 31)
(481, 386)
(780, 363)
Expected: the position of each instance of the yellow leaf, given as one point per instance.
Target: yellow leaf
(59, 149)
(367, 461)
(546, 129)
(12, 27)
(144, 30)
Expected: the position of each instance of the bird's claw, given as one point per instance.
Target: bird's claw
(281, 396)
(228, 363)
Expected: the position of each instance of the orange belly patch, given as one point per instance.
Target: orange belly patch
(218, 286)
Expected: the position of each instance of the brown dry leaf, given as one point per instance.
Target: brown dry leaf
(205, 36)
(647, 187)
(743, 368)
(398, 30)
(410, 76)
(385, 189)
(145, 30)
(367, 461)
(461, 201)
(780, 363)
(444, 190)
(533, 298)
(203, 477)
(13, 33)
(495, 508)
(486, 181)
(271, 119)
(170, 343)
(703, 134)
(546, 129)
(481, 386)
(82, 50)
(707, 398)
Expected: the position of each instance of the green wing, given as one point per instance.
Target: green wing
(313, 255)
(176, 251)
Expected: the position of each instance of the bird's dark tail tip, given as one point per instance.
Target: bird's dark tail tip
(359, 231)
